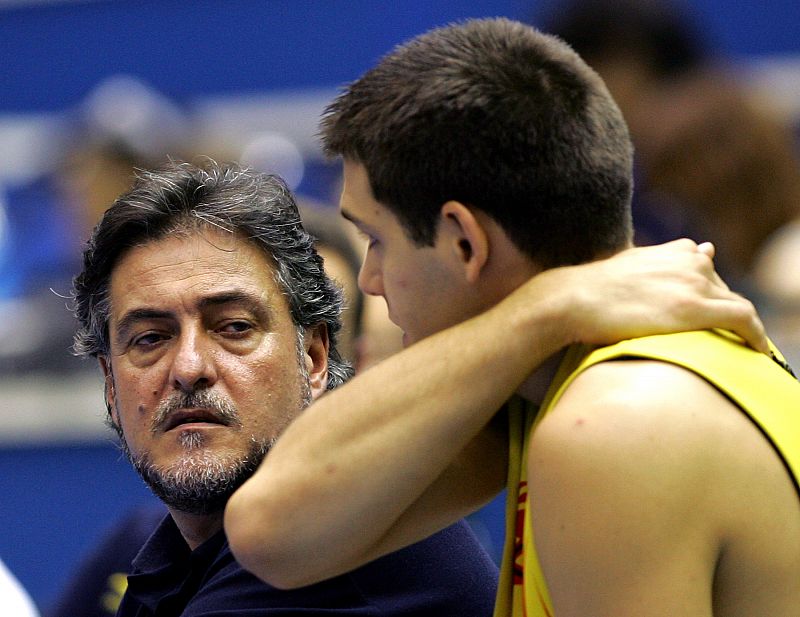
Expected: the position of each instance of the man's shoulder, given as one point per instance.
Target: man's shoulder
(633, 404)
(643, 457)
(684, 386)
(228, 586)
(643, 426)
(447, 574)
(453, 551)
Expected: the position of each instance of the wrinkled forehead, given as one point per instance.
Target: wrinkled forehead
(196, 233)
(192, 264)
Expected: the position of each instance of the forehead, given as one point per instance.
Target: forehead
(356, 192)
(186, 268)
(358, 204)
(355, 179)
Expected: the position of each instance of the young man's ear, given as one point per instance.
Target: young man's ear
(466, 237)
(316, 344)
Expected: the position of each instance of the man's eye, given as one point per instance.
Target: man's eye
(146, 340)
(370, 240)
(235, 327)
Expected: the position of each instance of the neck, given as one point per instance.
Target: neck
(196, 528)
(535, 387)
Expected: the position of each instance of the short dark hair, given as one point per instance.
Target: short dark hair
(499, 116)
(182, 197)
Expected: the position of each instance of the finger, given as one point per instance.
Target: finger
(683, 244)
(714, 276)
(740, 317)
(707, 248)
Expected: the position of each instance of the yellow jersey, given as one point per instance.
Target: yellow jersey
(762, 387)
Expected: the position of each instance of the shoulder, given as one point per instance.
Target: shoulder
(447, 574)
(623, 489)
(632, 426)
(649, 438)
(643, 477)
(227, 586)
(635, 402)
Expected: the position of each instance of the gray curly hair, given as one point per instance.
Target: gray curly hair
(182, 197)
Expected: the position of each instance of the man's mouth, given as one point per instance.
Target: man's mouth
(184, 417)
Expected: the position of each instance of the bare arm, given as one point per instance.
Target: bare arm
(407, 447)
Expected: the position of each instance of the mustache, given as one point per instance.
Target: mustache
(223, 409)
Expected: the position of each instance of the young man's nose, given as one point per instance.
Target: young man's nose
(370, 280)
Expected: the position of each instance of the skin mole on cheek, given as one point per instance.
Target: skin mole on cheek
(141, 408)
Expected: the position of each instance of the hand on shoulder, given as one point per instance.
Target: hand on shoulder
(670, 287)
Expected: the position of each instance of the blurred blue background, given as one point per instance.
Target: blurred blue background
(229, 77)
(54, 53)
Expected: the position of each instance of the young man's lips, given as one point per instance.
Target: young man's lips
(192, 416)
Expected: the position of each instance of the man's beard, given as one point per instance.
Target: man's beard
(201, 481)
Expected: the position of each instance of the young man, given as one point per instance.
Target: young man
(658, 476)
(207, 306)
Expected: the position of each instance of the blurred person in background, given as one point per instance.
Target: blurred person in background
(98, 581)
(725, 162)
(371, 335)
(120, 125)
(339, 252)
(715, 159)
(208, 309)
(729, 167)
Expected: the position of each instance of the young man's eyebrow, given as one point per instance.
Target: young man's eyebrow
(357, 222)
(349, 217)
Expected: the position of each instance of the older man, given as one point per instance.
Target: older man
(214, 324)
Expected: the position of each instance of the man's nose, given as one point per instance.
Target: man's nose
(193, 364)
(370, 280)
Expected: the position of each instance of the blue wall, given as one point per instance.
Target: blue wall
(184, 48)
(52, 54)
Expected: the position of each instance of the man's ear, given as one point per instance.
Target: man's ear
(316, 345)
(466, 237)
(108, 388)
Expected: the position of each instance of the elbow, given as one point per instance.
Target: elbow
(262, 547)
